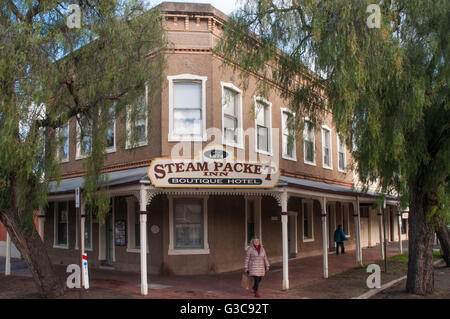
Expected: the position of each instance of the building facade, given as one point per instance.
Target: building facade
(196, 229)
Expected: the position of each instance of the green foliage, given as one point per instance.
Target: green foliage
(437, 254)
(386, 87)
(50, 73)
(401, 258)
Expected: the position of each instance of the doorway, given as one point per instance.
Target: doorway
(331, 225)
(106, 239)
(109, 240)
(292, 234)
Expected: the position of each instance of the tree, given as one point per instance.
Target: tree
(386, 87)
(50, 73)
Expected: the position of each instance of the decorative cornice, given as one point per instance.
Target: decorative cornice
(112, 168)
(314, 178)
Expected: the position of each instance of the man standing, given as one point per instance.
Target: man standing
(339, 238)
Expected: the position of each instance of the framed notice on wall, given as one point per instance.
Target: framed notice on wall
(120, 233)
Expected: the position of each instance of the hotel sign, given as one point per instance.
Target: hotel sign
(215, 168)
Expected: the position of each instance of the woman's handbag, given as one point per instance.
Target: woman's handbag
(245, 281)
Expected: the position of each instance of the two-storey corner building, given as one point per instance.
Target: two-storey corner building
(196, 216)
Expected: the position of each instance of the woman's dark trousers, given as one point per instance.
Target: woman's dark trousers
(257, 281)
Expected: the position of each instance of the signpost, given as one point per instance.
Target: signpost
(78, 209)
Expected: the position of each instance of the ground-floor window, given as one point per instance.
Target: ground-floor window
(188, 222)
(307, 217)
(61, 225)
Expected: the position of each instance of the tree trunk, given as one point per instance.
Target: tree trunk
(420, 278)
(35, 254)
(443, 234)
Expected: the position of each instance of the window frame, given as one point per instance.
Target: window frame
(55, 226)
(330, 152)
(284, 154)
(58, 132)
(172, 137)
(310, 204)
(192, 251)
(307, 123)
(78, 155)
(112, 149)
(259, 99)
(344, 152)
(239, 127)
(128, 124)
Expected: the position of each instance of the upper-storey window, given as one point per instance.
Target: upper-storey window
(288, 135)
(231, 115)
(309, 143)
(84, 137)
(111, 131)
(63, 146)
(187, 107)
(341, 155)
(137, 125)
(263, 125)
(326, 148)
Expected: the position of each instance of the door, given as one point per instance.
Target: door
(292, 235)
(331, 226)
(109, 239)
(364, 232)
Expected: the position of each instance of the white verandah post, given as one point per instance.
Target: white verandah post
(323, 203)
(143, 239)
(284, 234)
(357, 218)
(82, 227)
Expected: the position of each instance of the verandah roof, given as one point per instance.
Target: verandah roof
(139, 175)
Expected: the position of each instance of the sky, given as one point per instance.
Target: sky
(226, 6)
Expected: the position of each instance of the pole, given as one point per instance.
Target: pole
(284, 234)
(380, 229)
(324, 237)
(80, 234)
(143, 238)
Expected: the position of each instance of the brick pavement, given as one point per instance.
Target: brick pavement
(302, 272)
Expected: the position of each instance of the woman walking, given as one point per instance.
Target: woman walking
(256, 263)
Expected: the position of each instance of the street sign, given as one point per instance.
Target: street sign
(405, 215)
(85, 271)
(77, 197)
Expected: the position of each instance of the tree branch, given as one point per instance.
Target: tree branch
(15, 10)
